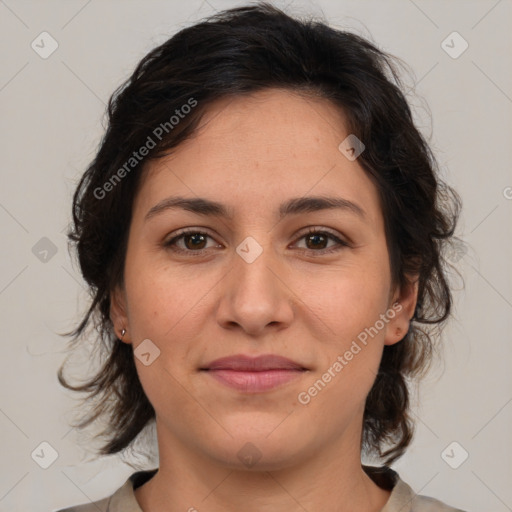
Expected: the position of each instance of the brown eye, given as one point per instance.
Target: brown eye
(316, 241)
(192, 242)
(195, 242)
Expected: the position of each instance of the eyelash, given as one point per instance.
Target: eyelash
(311, 231)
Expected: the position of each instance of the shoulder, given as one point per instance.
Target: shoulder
(426, 504)
(403, 498)
(122, 500)
(418, 503)
(97, 506)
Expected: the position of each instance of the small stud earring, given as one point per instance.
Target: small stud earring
(123, 332)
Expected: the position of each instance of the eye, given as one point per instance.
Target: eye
(193, 241)
(315, 240)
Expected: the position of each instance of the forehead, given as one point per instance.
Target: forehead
(252, 152)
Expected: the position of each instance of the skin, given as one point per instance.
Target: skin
(253, 153)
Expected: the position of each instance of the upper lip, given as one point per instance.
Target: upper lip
(253, 364)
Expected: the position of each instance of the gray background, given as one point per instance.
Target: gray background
(51, 122)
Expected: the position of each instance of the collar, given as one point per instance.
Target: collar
(401, 498)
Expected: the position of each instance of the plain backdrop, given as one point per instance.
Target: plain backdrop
(51, 123)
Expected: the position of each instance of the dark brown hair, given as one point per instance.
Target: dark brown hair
(233, 53)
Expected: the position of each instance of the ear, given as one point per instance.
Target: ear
(403, 303)
(118, 314)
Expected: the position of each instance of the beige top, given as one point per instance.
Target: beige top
(402, 498)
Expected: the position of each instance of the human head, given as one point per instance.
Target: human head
(233, 54)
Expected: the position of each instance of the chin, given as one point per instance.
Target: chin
(261, 447)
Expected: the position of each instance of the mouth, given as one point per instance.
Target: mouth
(254, 374)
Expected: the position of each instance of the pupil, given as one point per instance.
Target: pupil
(315, 237)
(199, 237)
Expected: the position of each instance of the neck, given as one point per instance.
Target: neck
(331, 481)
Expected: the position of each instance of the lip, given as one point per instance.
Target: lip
(254, 374)
(253, 364)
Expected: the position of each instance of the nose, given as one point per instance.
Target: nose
(255, 296)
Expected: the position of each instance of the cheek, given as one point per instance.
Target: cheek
(351, 306)
(160, 299)
(162, 309)
(349, 301)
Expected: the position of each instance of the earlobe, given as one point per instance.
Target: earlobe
(118, 314)
(404, 305)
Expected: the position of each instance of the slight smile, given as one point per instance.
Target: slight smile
(254, 374)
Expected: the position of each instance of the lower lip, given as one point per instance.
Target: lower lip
(255, 382)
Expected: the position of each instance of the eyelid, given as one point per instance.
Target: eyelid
(339, 239)
(321, 229)
(168, 242)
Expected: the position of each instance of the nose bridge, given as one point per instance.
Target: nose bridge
(254, 278)
(254, 295)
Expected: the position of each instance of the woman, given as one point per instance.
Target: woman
(262, 230)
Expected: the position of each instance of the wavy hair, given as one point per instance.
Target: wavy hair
(237, 52)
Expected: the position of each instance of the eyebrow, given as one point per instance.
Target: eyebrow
(294, 206)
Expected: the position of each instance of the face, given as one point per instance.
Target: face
(274, 274)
